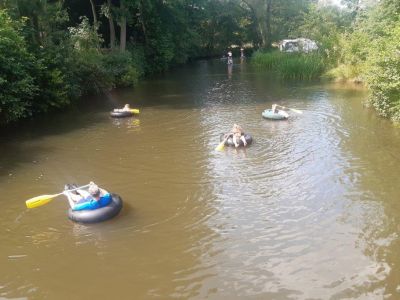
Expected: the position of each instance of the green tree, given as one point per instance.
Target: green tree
(274, 19)
(17, 86)
(261, 12)
(325, 25)
(107, 11)
(383, 74)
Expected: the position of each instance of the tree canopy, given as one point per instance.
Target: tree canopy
(54, 51)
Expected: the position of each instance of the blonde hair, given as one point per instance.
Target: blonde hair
(236, 130)
(236, 127)
(94, 190)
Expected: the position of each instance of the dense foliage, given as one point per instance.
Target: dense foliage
(370, 53)
(383, 75)
(52, 52)
(17, 65)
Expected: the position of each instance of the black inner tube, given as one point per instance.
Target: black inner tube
(121, 114)
(229, 142)
(99, 214)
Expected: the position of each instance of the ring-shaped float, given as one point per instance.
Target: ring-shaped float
(121, 114)
(280, 115)
(229, 141)
(99, 214)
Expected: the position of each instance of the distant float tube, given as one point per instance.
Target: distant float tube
(280, 115)
(99, 214)
(124, 113)
(121, 114)
(229, 142)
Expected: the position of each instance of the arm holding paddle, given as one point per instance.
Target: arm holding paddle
(283, 107)
(44, 199)
(76, 196)
(237, 136)
(221, 145)
(93, 198)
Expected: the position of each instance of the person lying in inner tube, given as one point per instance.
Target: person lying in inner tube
(237, 135)
(125, 108)
(275, 109)
(93, 198)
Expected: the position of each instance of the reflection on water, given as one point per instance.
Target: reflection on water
(308, 211)
(131, 123)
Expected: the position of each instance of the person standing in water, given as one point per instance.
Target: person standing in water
(230, 59)
(241, 53)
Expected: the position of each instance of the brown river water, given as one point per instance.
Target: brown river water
(309, 211)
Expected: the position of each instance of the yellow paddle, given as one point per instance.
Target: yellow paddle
(135, 111)
(221, 146)
(292, 109)
(44, 199)
(296, 110)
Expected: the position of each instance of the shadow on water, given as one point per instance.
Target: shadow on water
(21, 143)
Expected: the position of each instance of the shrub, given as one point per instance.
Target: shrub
(138, 58)
(17, 86)
(121, 69)
(89, 73)
(383, 75)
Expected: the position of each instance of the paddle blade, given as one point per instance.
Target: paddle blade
(135, 111)
(221, 146)
(39, 200)
(296, 110)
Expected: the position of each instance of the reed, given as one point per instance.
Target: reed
(291, 65)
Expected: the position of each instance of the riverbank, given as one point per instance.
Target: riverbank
(380, 75)
(302, 66)
(50, 65)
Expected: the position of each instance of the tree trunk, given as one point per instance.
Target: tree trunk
(268, 42)
(262, 30)
(142, 21)
(33, 31)
(112, 28)
(94, 14)
(262, 25)
(261, 10)
(122, 38)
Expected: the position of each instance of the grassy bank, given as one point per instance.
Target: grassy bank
(291, 65)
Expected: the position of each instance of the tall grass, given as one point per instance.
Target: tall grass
(291, 65)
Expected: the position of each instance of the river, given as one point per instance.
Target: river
(310, 210)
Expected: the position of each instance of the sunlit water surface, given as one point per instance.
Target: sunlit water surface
(309, 211)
